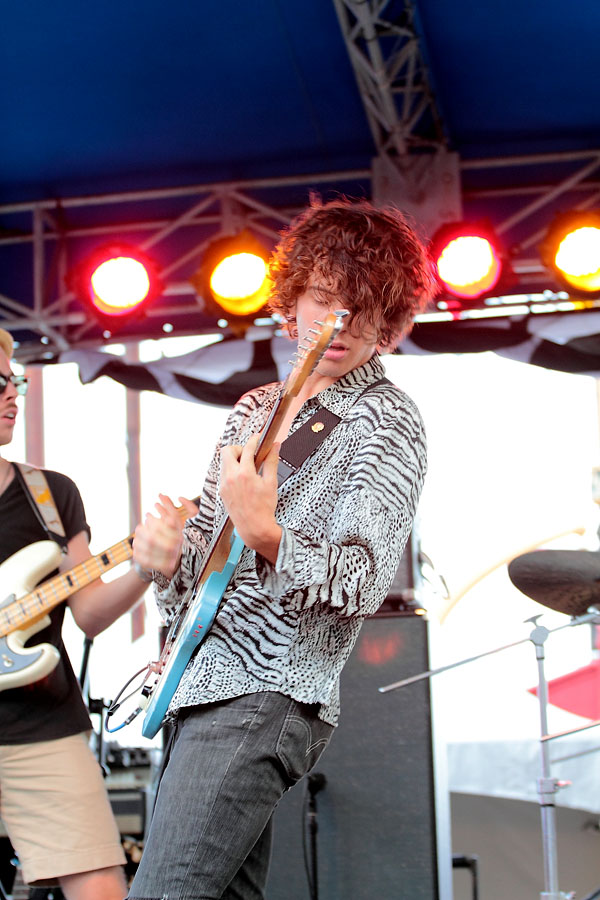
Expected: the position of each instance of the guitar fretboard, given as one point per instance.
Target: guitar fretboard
(49, 594)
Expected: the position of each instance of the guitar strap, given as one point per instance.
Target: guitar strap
(33, 481)
(303, 442)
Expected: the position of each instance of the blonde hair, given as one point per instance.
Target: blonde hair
(6, 342)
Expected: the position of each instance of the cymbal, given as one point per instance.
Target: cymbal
(565, 580)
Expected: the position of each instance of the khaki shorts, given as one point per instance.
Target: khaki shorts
(55, 808)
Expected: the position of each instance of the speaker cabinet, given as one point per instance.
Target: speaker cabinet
(379, 814)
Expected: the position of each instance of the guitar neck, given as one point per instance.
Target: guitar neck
(218, 549)
(271, 428)
(308, 357)
(50, 593)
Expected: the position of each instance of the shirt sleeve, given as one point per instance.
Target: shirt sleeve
(68, 503)
(351, 569)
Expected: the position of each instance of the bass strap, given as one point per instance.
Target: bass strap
(38, 493)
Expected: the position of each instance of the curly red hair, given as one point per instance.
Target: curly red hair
(379, 265)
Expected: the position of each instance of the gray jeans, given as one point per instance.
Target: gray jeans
(229, 765)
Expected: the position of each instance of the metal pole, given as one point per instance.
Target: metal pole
(547, 786)
(34, 417)
(133, 419)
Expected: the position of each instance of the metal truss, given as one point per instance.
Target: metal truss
(534, 190)
(517, 196)
(39, 242)
(391, 74)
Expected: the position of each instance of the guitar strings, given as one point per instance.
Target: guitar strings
(24, 607)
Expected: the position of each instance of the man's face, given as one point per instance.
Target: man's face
(352, 346)
(8, 403)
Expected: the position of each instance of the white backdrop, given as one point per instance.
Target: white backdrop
(511, 449)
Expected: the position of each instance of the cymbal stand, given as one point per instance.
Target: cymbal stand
(547, 786)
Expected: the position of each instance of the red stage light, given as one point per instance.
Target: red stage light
(467, 260)
(119, 285)
(117, 280)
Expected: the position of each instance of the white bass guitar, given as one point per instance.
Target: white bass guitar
(24, 607)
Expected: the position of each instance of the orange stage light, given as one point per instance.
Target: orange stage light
(233, 279)
(571, 250)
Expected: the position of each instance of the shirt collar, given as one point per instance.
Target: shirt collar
(339, 396)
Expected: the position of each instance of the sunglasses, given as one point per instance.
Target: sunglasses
(19, 381)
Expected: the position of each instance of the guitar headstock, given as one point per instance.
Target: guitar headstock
(312, 349)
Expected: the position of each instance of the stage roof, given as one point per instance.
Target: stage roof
(127, 95)
(121, 117)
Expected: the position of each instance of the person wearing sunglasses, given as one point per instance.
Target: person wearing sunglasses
(53, 801)
(20, 382)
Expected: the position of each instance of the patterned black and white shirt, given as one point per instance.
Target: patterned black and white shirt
(346, 515)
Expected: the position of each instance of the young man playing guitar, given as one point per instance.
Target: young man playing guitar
(53, 802)
(258, 700)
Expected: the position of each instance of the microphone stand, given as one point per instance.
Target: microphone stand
(547, 786)
(95, 706)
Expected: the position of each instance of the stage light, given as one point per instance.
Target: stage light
(236, 279)
(117, 280)
(233, 277)
(119, 285)
(467, 259)
(571, 250)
